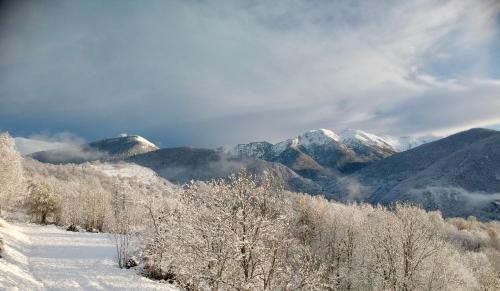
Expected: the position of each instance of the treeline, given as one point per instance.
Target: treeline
(247, 233)
(84, 196)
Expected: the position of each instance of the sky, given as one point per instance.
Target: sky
(210, 73)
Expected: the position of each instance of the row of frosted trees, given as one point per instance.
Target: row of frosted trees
(247, 233)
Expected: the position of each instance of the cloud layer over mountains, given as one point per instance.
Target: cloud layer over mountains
(206, 73)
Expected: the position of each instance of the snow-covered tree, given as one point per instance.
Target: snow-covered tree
(407, 251)
(12, 183)
(96, 208)
(123, 219)
(336, 238)
(42, 202)
(232, 235)
(71, 194)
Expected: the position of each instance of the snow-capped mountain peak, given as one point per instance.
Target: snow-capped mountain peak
(352, 137)
(143, 141)
(318, 137)
(352, 143)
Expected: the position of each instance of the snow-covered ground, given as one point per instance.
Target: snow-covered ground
(127, 170)
(50, 258)
(131, 170)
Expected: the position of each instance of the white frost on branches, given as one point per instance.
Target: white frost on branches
(12, 185)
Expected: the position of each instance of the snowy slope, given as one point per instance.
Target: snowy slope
(317, 137)
(405, 143)
(355, 137)
(15, 273)
(367, 145)
(50, 258)
(130, 170)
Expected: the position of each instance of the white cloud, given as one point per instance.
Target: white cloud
(37, 143)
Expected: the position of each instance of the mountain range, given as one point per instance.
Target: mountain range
(459, 174)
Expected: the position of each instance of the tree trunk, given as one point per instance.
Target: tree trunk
(43, 219)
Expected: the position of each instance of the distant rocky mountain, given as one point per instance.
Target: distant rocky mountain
(184, 164)
(106, 149)
(321, 155)
(459, 175)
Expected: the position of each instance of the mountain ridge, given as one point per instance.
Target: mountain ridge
(458, 169)
(459, 174)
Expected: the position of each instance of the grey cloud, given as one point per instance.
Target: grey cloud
(207, 72)
(441, 109)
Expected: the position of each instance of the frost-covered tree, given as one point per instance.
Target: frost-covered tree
(42, 202)
(94, 190)
(123, 222)
(232, 235)
(71, 204)
(407, 251)
(12, 183)
(96, 208)
(336, 238)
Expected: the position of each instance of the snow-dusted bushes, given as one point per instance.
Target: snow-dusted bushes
(248, 234)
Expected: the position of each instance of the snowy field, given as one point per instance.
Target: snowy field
(50, 258)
